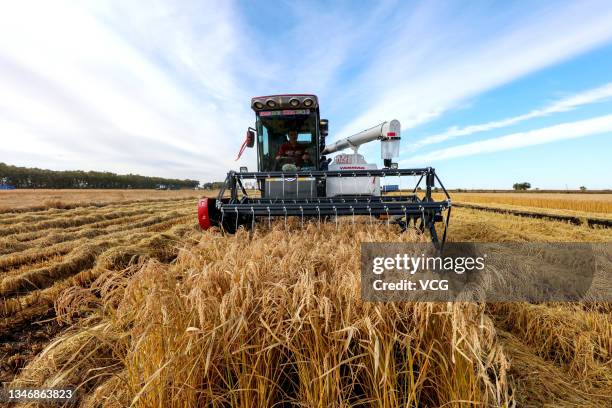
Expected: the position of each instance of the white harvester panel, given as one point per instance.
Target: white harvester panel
(352, 185)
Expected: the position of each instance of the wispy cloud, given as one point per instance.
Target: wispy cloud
(437, 62)
(96, 87)
(591, 96)
(162, 87)
(564, 131)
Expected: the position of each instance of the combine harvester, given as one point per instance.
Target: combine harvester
(296, 179)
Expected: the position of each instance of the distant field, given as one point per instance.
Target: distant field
(11, 199)
(574, 204)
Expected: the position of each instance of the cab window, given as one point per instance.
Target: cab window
(276, 129)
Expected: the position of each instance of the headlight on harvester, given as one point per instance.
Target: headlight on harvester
(294, 103)
(308, 102)
(259, 105)
(271, 103)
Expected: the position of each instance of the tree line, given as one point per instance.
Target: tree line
(215, 185)
(25, 177)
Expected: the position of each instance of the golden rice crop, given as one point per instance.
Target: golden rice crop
(275, 317)
(15, 260)
(129, 208)
(55, 235)
(29, 200)
(66, 222)
(120, 253)
(576, 339)
(228, 324)
(78, 259)
(587, 203)
(542, 383)
(89, 231)
(481, 226)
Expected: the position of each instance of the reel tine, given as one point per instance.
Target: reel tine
(319, 212)
(236, 220)
(285, 209)
(252, 219)
(269, 219)
(336, 213)
(302, 211)
(353, 211)
(422, 219)
(387, 211)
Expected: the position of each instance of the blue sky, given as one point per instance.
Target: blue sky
(488, 93)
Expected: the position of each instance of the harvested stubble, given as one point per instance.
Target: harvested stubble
(578, 340)
(129, 251)
(36, 254)
(25, 200)
(11, 214)
(31, 255)
(67, 222)
(277, 318)
(78, 211)
(44, 238)
(21, 215)
(541, 383)
(120, 253)
(81, 257)
(480, 226)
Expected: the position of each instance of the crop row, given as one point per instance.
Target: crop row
(7, 219)
(54, 235)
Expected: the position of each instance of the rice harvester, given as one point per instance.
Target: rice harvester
(295, 177)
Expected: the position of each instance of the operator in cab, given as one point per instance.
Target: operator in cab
(292, 152)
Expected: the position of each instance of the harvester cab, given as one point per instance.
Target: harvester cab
(296, 178)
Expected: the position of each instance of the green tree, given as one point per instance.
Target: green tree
(24, 177)
(521, 186)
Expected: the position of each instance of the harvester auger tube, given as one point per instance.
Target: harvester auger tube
(232, 212)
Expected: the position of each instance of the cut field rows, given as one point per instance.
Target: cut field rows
(159, 312)
(588, 220)
(50, 251)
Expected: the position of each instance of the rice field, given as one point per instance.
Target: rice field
(132, 305)
(598, 205)
(38, 199)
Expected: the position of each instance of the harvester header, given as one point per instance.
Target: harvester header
(295, 178)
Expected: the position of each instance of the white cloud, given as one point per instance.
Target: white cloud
(79, 83)
(436, 63)
(163, 88)
(564, 131)
(595, 95)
